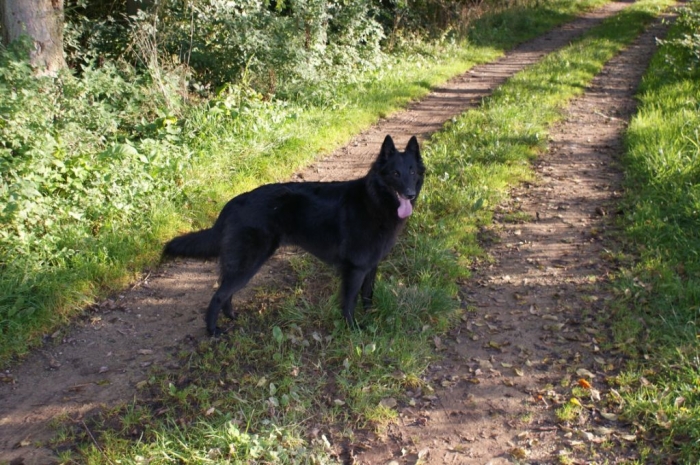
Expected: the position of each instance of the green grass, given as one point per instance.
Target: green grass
(173, 173)
(659, 288)
(293, 381)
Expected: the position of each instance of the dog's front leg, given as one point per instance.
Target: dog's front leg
(368, 288)
(353, 278)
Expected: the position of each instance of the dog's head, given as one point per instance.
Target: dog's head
(401, 173)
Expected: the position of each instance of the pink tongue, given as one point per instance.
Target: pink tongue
(405, 207)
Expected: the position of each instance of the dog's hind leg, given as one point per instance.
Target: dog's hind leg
(352, 278)
(237, 268)
(227, 310)
(368, 288)
(222, 301)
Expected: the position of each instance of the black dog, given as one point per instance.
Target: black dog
(350, 224)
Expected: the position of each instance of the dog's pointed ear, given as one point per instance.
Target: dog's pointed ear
(412, 146)
(388, 148)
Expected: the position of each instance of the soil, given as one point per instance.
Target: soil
(530, 336)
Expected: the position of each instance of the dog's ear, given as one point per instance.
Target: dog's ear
(412, 146)
(388, 148)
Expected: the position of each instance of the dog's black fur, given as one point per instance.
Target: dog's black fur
(351, 225)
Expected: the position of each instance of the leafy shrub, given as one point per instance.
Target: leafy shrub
(687, 42)
(77, 156)
(274, 47)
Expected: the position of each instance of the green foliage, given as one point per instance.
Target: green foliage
(78, 157)
(278, 47)
(659, 295)
(685, 40)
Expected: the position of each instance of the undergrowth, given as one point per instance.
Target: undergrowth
(292, 384)
(659, 298)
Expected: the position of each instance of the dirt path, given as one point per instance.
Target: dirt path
(533, 334)
(545, 269)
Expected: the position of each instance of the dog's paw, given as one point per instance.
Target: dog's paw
(354, 325)
(216, 332)
(231, 315)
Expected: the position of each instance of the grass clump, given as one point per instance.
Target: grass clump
(294, 372)
(659, 298)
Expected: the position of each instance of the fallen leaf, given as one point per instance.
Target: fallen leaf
(608, 416)
(23, 443)
(555, 327)
(388, 402)
(519, 453)
(584, 384)
(584, 372)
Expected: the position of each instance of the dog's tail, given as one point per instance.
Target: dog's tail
(199, 244)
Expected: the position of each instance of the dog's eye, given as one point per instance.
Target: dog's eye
(396, 174)
(412, 172)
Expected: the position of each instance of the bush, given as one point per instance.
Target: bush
(687, 41)
(77, 156)
(272, 46)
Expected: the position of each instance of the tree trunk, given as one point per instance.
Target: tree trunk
(42, 20)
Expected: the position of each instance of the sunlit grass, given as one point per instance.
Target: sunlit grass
(659, 294)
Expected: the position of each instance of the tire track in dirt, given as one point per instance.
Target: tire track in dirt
(99, 361)
(534, 331)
